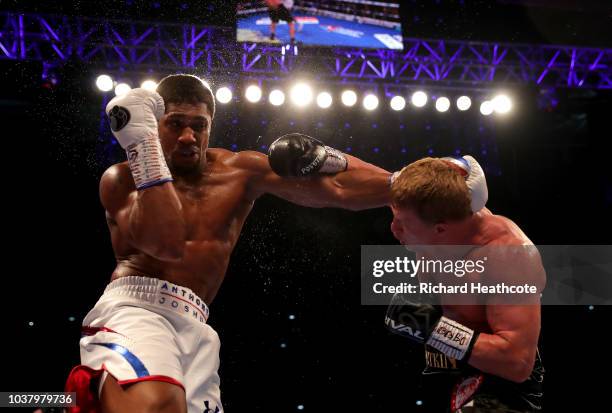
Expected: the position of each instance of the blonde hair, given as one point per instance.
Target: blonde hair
(434, 189)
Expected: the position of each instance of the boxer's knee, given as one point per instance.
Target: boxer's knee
(146, 396)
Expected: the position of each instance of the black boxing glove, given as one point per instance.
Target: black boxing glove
(411, 316)
(301, 155)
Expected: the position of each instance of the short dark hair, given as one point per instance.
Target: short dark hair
(183, 88)
(433, 189)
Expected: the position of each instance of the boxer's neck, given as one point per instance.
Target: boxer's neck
(464, 232)
(194, 177)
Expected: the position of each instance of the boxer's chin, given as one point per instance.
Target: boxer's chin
(184, 164)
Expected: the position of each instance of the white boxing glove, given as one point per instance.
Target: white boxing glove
(133, 119)
(474, 178)
(134, 115)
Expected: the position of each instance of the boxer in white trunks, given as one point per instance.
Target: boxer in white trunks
(175, 210)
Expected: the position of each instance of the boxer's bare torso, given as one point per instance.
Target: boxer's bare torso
(492, 236)
(204, 208)
(214, 208)
(494, 231)
(509, 326)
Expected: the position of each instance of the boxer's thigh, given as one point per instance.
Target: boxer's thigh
(202, 382)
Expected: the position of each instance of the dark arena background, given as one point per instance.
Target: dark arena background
(294, 335)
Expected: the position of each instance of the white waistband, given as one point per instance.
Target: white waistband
(160, 293)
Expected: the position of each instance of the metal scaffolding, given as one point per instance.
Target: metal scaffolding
(137, 47)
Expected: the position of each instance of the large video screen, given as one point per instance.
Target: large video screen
(347, 23)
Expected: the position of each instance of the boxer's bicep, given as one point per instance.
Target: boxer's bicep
(509, 349)
(509, 346)
(115, 196)
(153, 229)
(515, 319)
(518, 325)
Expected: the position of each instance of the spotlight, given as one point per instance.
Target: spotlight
(349, 98)
(104, 83)
(442, 104)
(224, 95)
(398, 103)
(464, 103)
(122, 89)
(486, 107)
(149, 85)
(253, 93)
(324, 100)
(301, 95)
(277, 97)
(419, 99)
(501, 104)
(370, 102)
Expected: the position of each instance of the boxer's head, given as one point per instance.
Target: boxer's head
(184, 129)
(428, 199)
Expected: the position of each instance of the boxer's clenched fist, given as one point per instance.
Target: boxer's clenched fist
(296, 154)
(134, 115)
(413, 317)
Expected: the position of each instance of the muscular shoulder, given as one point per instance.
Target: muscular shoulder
(499, 230)
(250, 161)
(115, 186)
(512, 262)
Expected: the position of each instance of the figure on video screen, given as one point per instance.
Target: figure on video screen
(280, 10)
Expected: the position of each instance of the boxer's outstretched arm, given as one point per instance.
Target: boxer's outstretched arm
(151, 218)
(361, 186)
(509, 351)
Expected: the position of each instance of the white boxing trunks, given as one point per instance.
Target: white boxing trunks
(148, 329)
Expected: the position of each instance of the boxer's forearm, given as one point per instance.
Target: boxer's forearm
(363, 188)
(363, 185)
(156, 222)
(497, 355)
(305, 178)
(358, 164)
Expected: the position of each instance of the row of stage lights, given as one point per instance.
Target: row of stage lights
(302, 95)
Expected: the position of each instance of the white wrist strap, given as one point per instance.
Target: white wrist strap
(335, 161)
(147, 163)
(451, 338)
